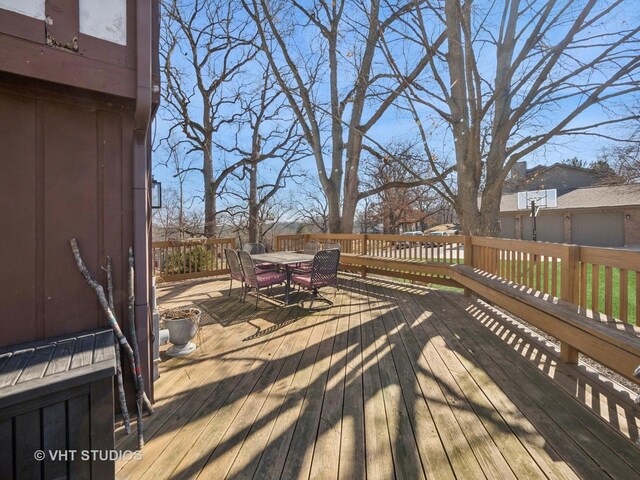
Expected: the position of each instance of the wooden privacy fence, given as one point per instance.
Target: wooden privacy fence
(183, 259)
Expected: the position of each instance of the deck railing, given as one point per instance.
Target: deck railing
(417, 258)
(425, 248)
(601, 280)
(184, 259)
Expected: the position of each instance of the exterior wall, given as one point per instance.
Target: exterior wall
(79, 80)
(73, 181)
(632, 226)
(605, 227)
(567, 227)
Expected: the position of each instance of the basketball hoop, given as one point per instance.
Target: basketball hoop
(535, 200)
(541, 198)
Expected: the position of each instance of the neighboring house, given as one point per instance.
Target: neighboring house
(586, 213)
(560, 176)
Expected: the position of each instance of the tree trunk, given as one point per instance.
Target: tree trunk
(253, 202)
(349, 208)
(333, 204)
(209, 196)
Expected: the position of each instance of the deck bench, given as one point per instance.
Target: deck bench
(606, 340)
(417, 270)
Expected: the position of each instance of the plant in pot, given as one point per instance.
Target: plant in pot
(182, 324)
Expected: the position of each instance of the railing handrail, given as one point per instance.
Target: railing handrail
(191, 241)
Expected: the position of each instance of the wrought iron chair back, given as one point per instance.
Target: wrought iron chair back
(248, 268)
(324, 270)
(234, 267)
(234, 263)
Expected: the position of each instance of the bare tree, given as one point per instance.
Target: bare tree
(266, 133)
(339, 84)
(514, 76)
(312, 210)
(394, 201)
(172, 221)
(205, 47)
(624, 159)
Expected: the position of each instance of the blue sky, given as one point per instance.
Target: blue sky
(396, 125)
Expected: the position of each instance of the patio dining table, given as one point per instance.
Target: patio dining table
(286, 260)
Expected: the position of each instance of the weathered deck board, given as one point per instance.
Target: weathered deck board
(394, 381)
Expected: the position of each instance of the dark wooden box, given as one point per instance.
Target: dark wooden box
(56, 395)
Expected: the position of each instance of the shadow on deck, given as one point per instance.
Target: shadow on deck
(394, 381)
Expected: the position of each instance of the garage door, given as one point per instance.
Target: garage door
(507, 227)
(598, 229)
(550, 228)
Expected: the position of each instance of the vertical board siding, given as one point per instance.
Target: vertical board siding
(18, 194)
(69, 211)
(65, 173)
(82, 422)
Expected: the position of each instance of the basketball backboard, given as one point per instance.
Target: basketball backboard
(543, 199)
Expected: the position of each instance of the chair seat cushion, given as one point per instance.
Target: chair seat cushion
(270, 278)
(305, 281)
(265, 267)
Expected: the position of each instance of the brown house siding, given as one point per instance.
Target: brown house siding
(74, 162)
(62, 176)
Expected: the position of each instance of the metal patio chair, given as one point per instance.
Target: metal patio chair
(256, 278)
(324, 273)
(257, 249)
(235, 268)
(310, 248)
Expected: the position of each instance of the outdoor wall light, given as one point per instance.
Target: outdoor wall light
(156, 193)
(627, 216)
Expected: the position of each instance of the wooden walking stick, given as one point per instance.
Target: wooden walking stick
(136, 353)
(111, 318)
(121, 395)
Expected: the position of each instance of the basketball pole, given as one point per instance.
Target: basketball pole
(533, 216)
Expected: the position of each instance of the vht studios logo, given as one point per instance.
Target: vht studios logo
(86, 455)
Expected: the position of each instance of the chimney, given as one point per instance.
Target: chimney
(519, 172)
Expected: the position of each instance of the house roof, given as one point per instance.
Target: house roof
(586, 197)
(542, 168)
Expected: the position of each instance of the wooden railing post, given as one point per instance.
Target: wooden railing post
(569, 292)
(364, 252)
(468, 257)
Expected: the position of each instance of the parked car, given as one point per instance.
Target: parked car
(438, 233)
(404, 244)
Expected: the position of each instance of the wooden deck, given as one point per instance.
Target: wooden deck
(394, 381)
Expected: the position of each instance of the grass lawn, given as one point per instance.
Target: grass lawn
(615, 288)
